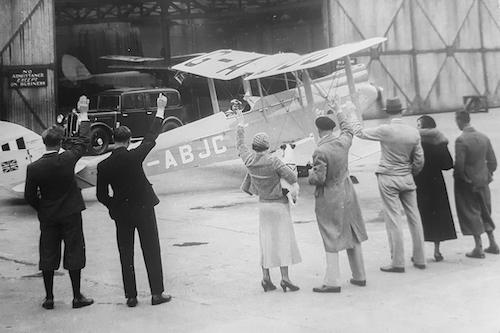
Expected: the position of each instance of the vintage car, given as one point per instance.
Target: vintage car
(133, 107)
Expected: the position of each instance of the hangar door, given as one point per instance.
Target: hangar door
(27, 76)
(437, 50)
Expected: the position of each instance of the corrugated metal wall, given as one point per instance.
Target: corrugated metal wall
(88, 42)
(437, 50)
(200, 35)
(27, 38)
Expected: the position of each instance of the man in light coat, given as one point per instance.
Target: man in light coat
(337, 209)
(475, 163)
(401, 158)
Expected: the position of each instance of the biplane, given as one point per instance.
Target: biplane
(283, 97)
(137, 72)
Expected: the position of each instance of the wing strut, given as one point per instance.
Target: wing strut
(297, 86)
(246, 87)
(350, 82)
(306, 79)
(259, 84)
(213, 95)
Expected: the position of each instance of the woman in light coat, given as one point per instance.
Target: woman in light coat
(278, 246)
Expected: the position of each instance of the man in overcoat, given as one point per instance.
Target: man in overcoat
(402, 157)
(336, 205)
(132, 206)
(475, 163)
(52, 190)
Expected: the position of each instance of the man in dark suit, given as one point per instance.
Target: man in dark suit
(475, 163)
(132, 206)
(52, 190)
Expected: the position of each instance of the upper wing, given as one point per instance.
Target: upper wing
(133, 59)
(230, 64)
(318, 58)
(136, 59)
(147, 63)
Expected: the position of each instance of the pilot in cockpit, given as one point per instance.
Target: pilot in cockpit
(235, 109)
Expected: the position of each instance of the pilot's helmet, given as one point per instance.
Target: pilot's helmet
(236, 105)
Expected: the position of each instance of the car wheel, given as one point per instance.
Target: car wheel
(169, 125)
(99, 140)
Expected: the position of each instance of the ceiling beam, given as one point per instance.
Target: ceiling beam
(70, 12)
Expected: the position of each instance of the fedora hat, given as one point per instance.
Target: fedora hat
(393, 106)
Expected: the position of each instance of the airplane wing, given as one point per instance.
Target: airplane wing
(125, 58)
(318, 58)
(136, 59)
(144, 63)
(230, 64)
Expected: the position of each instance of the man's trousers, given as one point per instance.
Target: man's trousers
(355, 255)
(395, 190)
(144, 220)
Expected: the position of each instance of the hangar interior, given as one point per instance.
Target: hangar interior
(89, 29)
(437, 52)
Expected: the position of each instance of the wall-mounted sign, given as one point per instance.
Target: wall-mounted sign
(340, 64)
(27, 77)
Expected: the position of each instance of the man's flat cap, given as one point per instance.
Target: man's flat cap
(325, 123)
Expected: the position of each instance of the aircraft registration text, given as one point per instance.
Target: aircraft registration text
(196, 153)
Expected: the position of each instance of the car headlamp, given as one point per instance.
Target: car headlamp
(60, 119)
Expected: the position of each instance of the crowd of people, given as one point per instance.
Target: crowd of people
(409, 175)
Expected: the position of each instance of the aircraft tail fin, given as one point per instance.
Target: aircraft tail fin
(73, 69)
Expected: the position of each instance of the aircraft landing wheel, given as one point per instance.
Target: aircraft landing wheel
(302, 171)
(99, 140)
(169, 125)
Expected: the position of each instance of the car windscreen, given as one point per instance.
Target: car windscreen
(132, 101)
(109, 102)
(172, 98)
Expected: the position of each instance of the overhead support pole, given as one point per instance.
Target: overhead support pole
(327, 21)
(306, 79)
(213, 95)
(165, 31)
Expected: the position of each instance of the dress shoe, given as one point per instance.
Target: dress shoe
(160, 299)
(327, 289)
(131, 302)
(419, 266)
(286, 284)
(475, 254)
(82, 301)
(392, 269)
(492, 250)
(438, 257)
(48, 304)
(267, 285)
(361, 283)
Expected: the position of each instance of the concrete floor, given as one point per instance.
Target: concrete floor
(215, 284)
